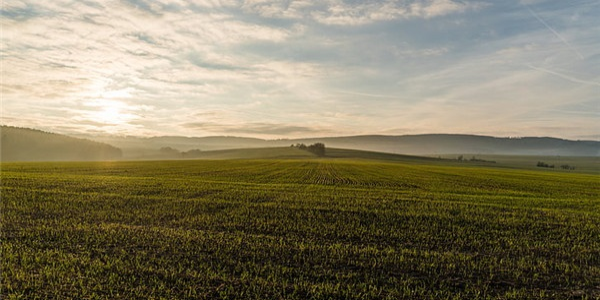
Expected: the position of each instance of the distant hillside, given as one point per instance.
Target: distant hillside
(437, 144)
(132, 143)
(21, 144)
(427, 144)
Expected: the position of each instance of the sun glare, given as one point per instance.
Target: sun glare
(110, 112)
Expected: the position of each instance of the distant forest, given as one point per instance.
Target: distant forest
(23, 144)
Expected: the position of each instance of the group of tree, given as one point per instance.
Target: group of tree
(474, 159)
(169, 152)
(316, 148)
(542, 164)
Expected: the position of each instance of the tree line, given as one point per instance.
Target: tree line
(542, 164)
(316, 148)
(174, 153)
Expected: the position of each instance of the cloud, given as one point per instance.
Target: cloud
(256, 128)
(435, 8)
(564, 76)
(279, 9)
(560, 37)
(338, 12)
(298, 67)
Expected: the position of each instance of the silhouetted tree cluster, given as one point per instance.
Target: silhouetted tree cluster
(462, 158)
(542, 164)
(300, 146)
(169, 152)
(475, 159)
(567, 167)
(316, 148)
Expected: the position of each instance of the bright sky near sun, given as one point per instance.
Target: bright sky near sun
(300, 68)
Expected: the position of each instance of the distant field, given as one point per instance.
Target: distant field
(581, 164)
(303, 228)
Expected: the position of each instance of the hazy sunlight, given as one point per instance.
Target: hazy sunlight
(110, 112)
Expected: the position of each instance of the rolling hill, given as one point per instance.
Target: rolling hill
(427, 144)
(22, 144)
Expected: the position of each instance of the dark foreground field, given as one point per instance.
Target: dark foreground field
(296, 229)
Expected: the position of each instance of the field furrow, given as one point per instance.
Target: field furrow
(296, 229)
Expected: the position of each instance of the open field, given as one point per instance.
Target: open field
(297, 229)
(581, 164)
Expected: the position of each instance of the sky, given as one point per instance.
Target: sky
(302, 68)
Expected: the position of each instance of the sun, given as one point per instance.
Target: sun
(110, 112)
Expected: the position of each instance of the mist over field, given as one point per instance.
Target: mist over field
(21, 144)
(430, 144)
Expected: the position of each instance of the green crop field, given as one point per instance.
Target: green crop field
(302, 228)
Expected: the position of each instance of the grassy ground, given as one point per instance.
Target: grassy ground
(296, 229)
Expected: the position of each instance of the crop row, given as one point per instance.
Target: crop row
(314, 229)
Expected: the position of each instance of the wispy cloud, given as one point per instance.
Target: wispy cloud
(560, 37)
(338, 12)
(564, 76)
(256, 129)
